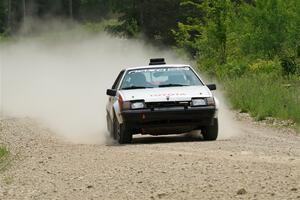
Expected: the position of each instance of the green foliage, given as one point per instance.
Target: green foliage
(128, 28)
(233, 68)
(94, 10)
(186, 37)
(206, 34)
(154, 19)
(252, 47)
(290, 62)
(260, 66)
(289, 65)
(238, 68)
(98, 27)
(228, 32)
(265, 26)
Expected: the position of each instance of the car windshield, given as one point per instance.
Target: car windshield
(159, 77)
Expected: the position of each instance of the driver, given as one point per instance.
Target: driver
(138, 79)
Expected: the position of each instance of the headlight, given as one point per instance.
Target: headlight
(137, 105)
(210, 101)
(123, 105)
(126, 105)
(198, 102)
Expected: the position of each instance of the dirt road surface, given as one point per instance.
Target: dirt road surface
(260, 163)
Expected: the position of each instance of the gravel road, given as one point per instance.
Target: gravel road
(262, 162)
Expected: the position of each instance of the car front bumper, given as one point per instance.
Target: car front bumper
(170, 118)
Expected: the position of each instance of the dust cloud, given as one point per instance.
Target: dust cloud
(228, 126)
(61, 83)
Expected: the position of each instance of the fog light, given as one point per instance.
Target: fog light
(198, 102)
(137, 105)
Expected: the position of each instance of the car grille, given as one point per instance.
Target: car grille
(167, 104)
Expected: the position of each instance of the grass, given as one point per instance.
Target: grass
(4, 153)
(264, 96)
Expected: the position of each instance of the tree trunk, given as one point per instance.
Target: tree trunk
(24, 9)
(9, 14)
(141, 11)
(71, 8)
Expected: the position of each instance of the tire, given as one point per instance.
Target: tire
(210, 133)
(121, 133)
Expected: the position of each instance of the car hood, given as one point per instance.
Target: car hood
(166, 94)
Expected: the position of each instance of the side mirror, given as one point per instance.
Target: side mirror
(212, 86)
(111, 92)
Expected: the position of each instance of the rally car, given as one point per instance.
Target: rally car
(161, 99)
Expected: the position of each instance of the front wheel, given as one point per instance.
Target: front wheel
(211, 132)
(122, 133)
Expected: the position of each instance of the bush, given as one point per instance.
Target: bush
(98, 27)
(266, 66)
(237, 68)
(128, 28)
(289, 65)
(234, 68)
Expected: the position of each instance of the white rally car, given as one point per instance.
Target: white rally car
(160, 99)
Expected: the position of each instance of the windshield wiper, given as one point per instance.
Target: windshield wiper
(135, 87)
(172, 85)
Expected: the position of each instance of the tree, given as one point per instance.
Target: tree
(14, 12)
(155, 19)
(205, 33)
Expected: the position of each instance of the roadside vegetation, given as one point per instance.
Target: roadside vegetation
(251, 46)
(265, 96)
(253, 49)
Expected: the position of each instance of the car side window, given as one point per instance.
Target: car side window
(117, 81)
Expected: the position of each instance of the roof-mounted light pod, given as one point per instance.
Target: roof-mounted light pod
(157, 61)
